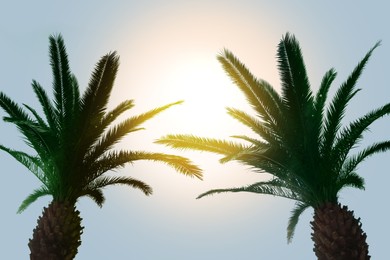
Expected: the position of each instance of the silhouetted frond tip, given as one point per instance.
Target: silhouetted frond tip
(213, 145)
(42, 191)
(299, 208)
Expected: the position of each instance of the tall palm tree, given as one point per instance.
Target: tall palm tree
(74, 144)
(302, 144)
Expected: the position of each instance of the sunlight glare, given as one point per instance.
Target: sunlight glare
(166, 61)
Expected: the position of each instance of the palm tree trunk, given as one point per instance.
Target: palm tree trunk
(337, 234)
(57, 235)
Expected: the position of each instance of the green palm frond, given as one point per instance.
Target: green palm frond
(300, 207)
(116, 133)
(297, 94)
(15, 112)
(336, 110)
(62, 80)
(230, 150)
(47, 107)
(112, 115)
(95, 194)
(263, 98)
(93, 103)
(334, 115)
(75, 101)
(33, 164)
(297, 97)
(269, 159)
(350, 135)
(94, 188)
(115, 160)
(260, 128)
(135, 121)
(42, 191)
(351, 179)
(33, 132)
(104, 181)
(35, 136)
(95, 98)
(213, 145)
(39, 120)
(255, 142)
(246, 155)
(273, 187)
(319, 104)
(353, 161)
(88, 145)
(257, 147)
(322, 93)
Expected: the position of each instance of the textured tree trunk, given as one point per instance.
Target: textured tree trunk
(337, 234)
(57, 235)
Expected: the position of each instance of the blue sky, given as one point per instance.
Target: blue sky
(168, 51)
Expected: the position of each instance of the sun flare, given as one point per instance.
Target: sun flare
(207, 91)
(171, 61)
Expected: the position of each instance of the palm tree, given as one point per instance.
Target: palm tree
(301, 144)
(74, 144)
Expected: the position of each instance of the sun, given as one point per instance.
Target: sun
(170, 61)
(206, 90)
(200, 81)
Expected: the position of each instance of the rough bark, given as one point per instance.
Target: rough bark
(57, 234)
(337, 234)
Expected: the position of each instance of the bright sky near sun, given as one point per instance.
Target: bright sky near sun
(168, 53)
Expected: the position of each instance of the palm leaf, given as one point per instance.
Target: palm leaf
(48, 109)
(256, 142)
(263, 98)
(42, 124)
(244, 154)
(350, 179)
(95, 98)
(12, 109)
(75, 102)
(336, 110)
(295, 84)
(273, 187)
(213, 145)
(95, 194)
(135, 121)
(300, 207)
(30, 129)
(88, 145)
(104, 181)
(115, 160)
(351, 134)
(35, 136)
(42, 191)
(262, 129)
(319, 106)
(354, 160)
(296, 92)
(112, 115)
(33, 164)
(297, 97)
(62, 79)
(94, 101)
(116, 133)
